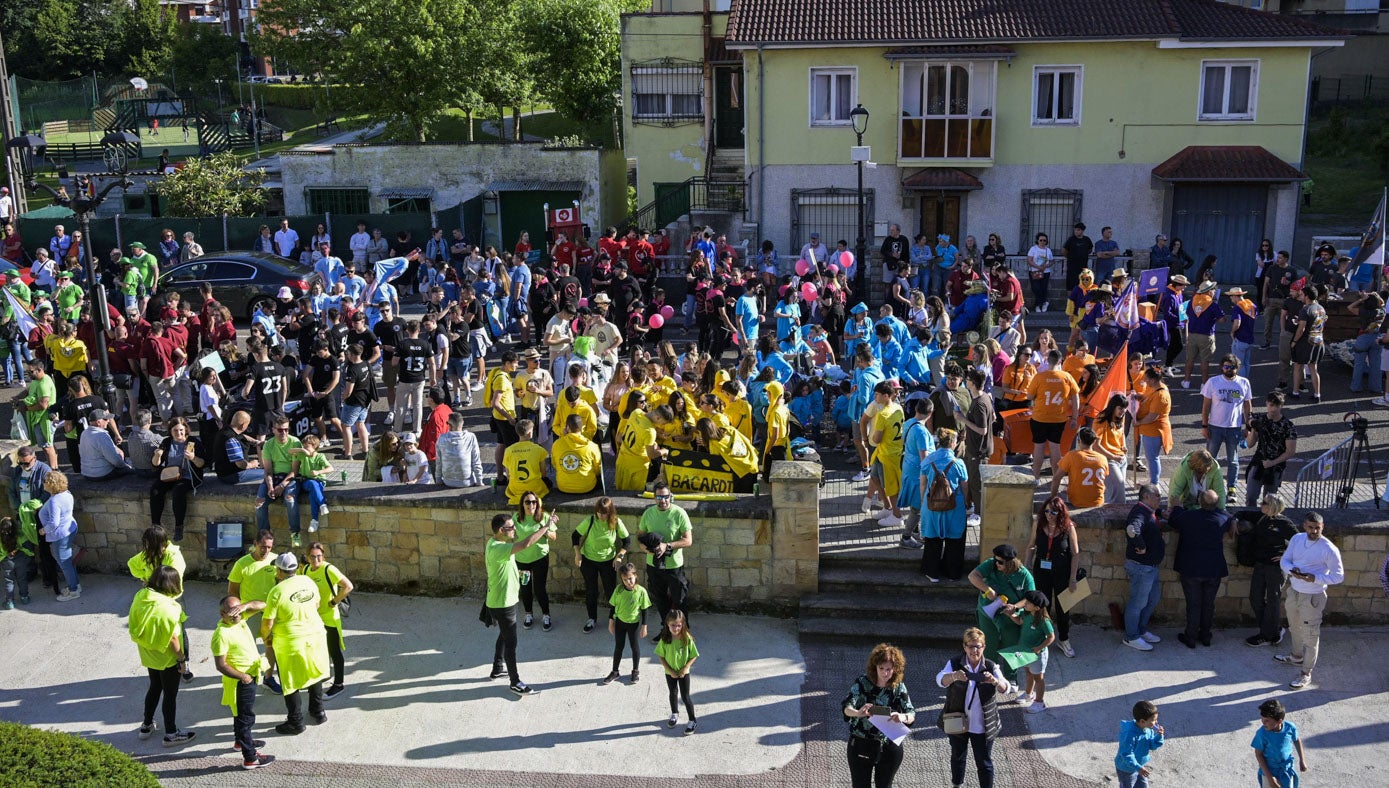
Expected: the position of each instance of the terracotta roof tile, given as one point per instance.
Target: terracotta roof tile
(941, 179)
(1227, 164)
(956, 21)
(959, 52)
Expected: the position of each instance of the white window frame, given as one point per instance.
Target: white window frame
(1203, 116)
(669, 113)
(1056, 72)
(832, 71)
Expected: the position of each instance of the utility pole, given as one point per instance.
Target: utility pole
(9, 129)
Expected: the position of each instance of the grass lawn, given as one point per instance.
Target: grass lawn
(1347, 181)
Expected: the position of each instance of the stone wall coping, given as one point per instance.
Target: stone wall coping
(1348, 522)
(796, 470)
(1006, 476)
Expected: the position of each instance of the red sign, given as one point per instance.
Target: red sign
(564, 216)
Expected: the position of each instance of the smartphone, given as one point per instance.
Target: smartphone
(880, 711)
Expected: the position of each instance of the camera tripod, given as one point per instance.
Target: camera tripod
(1359, 450)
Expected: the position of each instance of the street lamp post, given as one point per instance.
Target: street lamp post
(859, 117)
(84, 203)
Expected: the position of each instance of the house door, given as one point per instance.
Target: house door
(728, 107)
(1226, 221)
(941, 214)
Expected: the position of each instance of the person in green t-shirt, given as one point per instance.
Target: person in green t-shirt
(235, 654)
(1002, 577)
(504, 591)
(665, 561)
(295, 643)
(335, 587)
(675, 647)
(155, 621)
(312, 469)
(628, 621)
(534, 562)
(250, 580)
(600, 545)
(280, 480)
(148, 266)
(128, 282)
(34, 402)
(1037, 634)
(69, 297)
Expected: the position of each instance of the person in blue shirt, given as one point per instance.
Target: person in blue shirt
(781, 368)
(808, 406)
(1170, 312)
(900, 332)
(887, 350)
(867, 375)
(1138, 738)
(921, 257)
(352, 284)
(843, 423)
(328, 266)
(1274, 745)
(1203, 313)
(946, 253)
(917, 442)
(1160, 255)
(857, 329)
(915, 366)
(748, 311)
(520, 298)
(788, 312)
(966, 316)
(705, 244)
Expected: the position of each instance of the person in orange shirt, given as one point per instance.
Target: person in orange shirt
(1013, 387)
(1139, 387)
(1079, 359)
(1055, 405)
(1111, 440)
(1154, 423)
(1086, 471)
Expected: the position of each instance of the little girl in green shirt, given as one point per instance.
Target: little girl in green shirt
(676, 650)
(311, 468)
(628, 622)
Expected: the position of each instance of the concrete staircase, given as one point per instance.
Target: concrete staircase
(875, 594)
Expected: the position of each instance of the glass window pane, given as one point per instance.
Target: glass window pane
(685, 105)
(820, 106)
(1241, 78)
(1213, 91)
(843, 94)
(1044, 95)
(1066, 96)
(959, 90)
(935, 90)
(648, 104)
(912, 95)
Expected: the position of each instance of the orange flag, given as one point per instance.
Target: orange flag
(1115, 381)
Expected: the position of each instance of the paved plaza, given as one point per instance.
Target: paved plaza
(419, 708)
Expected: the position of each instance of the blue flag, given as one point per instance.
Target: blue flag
(1152, 281)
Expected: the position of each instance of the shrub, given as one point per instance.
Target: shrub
(34, 757)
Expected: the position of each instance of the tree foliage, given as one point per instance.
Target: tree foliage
(63, 39)
(408, 57)
(149, 39)
(213, 186)
(200, 54)
(576, 51)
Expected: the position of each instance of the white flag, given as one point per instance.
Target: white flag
(21, 314)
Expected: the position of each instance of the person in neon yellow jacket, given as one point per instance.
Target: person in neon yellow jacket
(296, 642)
(156, 551)
(241, 665)
(155, 622)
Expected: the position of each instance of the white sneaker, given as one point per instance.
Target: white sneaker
(1186, 384)
(891, 521)
(1066, 649)
(973, 521)
(870, 505)
(69, 595)
(313, 526)
(390, 417)
(1037, 708)
(862, 476)
(1383, 402)
(882, 514)
(323, 512)
(1151, 638)
(1025, 698)
(1139, 644)
(476, 387)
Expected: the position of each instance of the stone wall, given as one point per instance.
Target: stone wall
(1361, 536)
(753, 552)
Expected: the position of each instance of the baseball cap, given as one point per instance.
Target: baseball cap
(409, 437)
(286, 562)
(99, 414)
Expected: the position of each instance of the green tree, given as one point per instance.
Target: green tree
(408, 58)
(213, 186)
(200, 54)
(148, 40)
(576, 53)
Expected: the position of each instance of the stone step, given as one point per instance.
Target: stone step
(895, 578)
(866, 633)
(949, 605)
(877, 556)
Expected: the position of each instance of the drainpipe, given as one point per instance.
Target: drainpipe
(707, 37)
(761, 145)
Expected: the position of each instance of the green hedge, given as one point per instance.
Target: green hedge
(300, 96)
(33, 757)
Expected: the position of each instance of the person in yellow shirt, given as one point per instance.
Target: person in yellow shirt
(736, 407)
(778, 443)
(711, 407)
(734, 448)
(886, 437)
(534, 387)
(637, 447)
(1111, 440)
(577, 460)
(660, 385)
(1055, 405)
(672, 431)
(572, 402)
(296, 642)
(500, 395)
(525, 463)
(1086, 471)
(235, 654)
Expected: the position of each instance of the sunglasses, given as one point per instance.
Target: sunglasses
(1050, 510)
(530, 503)
(1000, 561)
(665, 497)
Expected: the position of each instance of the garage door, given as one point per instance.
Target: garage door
(525, 210)
(1226, 221)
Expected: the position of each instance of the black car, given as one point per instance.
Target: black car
(240, 280)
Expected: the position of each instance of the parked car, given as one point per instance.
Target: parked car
(240, 280)
(10, 270)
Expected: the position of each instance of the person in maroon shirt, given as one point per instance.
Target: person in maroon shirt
(194, 324)
(169, 310)
(43, 328)
(614, 246)
(123, 356)
(160, 359)
(12, 246)
(960, 278)
(220, 330)
(210, 305)
(137, 326)
(722, 245)
(584, 256)
(1007, 289)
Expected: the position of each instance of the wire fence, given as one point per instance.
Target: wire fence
(1341, 476)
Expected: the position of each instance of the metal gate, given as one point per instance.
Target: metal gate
(1226, 221)
(833, 213)
(1051, 211)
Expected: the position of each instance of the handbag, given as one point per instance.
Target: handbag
(954, 723)
(170, 473)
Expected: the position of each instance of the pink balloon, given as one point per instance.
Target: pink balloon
(667, 311)
(802, 267)
(656, 321)
(832, 268)
(808, 291)
(583, 302)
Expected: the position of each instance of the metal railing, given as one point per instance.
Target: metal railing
(695, 194)
(1329, 481)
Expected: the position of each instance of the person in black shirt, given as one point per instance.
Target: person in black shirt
(389, 330)
(414, 360)
(356, 399)
(454, 328)
(568, 287)
(337, 333)
(243, 463)
(321, 375)
(895, 252)
(1078, 249)
(81, 401)
(624, 289)
(268, 381)
(544, 298)
(304, 326)
(359, 334)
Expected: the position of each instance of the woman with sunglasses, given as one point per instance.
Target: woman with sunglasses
(335, 588)
(534, 561)
(1053, 553)
(1001, 580)
(972, 684)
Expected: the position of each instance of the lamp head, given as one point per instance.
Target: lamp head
(859, 117)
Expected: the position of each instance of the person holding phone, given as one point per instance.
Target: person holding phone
(873, 758)
(972, 684)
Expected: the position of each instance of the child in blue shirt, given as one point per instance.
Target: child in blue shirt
(808, 406)
(843, 422)
(1274, 744)
(1137, 740)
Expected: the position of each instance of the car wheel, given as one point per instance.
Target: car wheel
(257, 303)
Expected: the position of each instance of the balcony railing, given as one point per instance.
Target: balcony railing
(947, 137)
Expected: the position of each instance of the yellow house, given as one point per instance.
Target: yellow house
(1182, 117)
